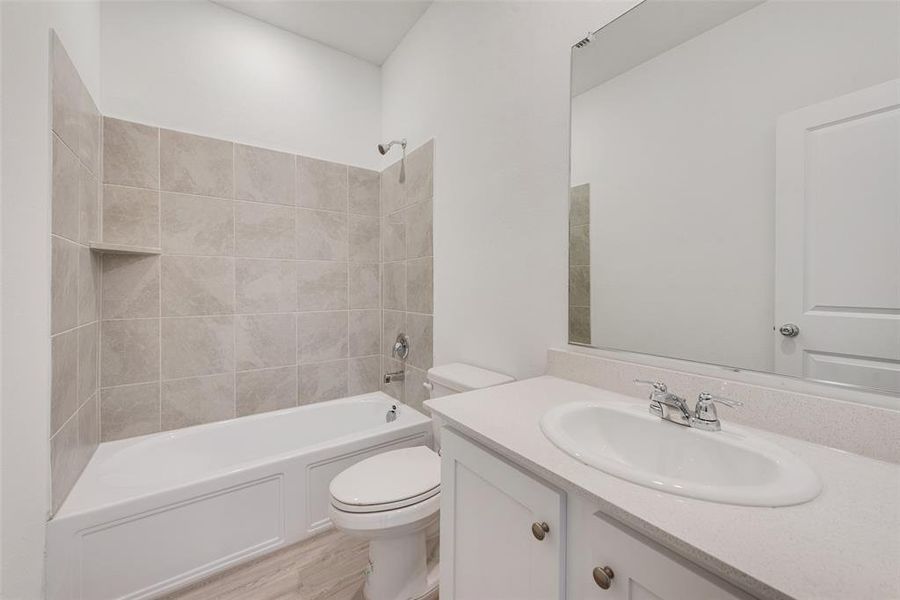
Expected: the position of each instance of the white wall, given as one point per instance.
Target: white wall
(680, 155)
(202, 68)
(490, 82)
(25, 298)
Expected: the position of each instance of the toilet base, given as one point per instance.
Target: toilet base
(398, 570)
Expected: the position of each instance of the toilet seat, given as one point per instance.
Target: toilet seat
(389, 481)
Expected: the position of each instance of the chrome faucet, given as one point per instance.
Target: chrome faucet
(672, 407)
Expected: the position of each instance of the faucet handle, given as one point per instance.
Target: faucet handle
(705, 416)
(706, 398)
(658, 386)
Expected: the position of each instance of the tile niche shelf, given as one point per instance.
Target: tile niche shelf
(107, 248)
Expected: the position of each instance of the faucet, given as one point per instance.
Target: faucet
(395, 376)
(672, 407)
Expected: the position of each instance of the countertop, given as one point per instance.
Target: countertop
(844, 544)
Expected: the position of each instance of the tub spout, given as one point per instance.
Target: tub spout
(395, 376)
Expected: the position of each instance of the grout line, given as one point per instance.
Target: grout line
(159, 275)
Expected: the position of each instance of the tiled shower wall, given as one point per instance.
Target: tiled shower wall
(407, 252)
(580, 264)
(267, 292)
(75, 275)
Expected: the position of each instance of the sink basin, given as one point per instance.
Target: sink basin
(732, 466)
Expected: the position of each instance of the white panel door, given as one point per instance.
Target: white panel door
(837, 236)
(488, 550)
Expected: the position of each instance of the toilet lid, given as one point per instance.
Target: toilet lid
(386, 481)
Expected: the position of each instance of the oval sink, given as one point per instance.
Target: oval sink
(731, 466)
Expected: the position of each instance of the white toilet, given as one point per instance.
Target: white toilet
(393, 500)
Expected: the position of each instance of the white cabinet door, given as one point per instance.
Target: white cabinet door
(641, 570)
(488, 550)
(837, 240)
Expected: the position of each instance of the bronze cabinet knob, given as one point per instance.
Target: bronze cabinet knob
(540, 530)
(603, 577)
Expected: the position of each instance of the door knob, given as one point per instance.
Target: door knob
(540, 530)
(603, 577)
(789, 330)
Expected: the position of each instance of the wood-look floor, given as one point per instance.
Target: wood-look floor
(329, 566)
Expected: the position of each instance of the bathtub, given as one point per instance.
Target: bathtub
(154, 513)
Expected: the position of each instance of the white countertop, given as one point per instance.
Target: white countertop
(845, 544)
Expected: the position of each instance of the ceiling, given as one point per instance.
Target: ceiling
(367, 29)
(644, 32)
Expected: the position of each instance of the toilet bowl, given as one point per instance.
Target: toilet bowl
(393, 501)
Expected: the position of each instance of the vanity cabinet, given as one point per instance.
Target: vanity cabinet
(491, 520)
(637, 568)
(503, 531)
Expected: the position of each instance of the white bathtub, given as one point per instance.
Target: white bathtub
(155, 513)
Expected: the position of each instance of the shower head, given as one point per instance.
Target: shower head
(385, 147)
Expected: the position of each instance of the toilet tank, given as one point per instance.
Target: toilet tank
(454, 378)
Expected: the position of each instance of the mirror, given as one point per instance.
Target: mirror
(735, 187)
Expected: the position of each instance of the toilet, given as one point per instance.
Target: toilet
(393, 500)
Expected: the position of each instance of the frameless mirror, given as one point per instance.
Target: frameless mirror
(735, 187)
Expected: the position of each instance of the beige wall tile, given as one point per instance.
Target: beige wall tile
(63, 378)
(130, 216)
(364, 375)
(322, 336)
(414, 387)
(129, 351)
(129, 411)
(419, 330)
(323, 381)
(88, 285)
(365, 239)
(264, 341)
(196, 285)
(419, 238)
(394, 323)
(365, 332)
(196, 225)
(269, 389)
(420, 173)
(88, 148)
(365, 286)
(393, 291)
(88, 360)
(130, 286)
(580, 324)
(322, 285)
(579, 205)
(89, 427)
(265, 286)
(197, 400)
(89, 203)
(66, 463)
(321, 235)
(65, 191)
(193, 346)
(393, 238)
(63, 285)
(321, 184)
(579, 286)
(393, 193)
(194, 164)
(364, 191)
(64, 94)
(130, 154)
(263, 230)
(419, 286)
(579, 246)
(263, 175)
